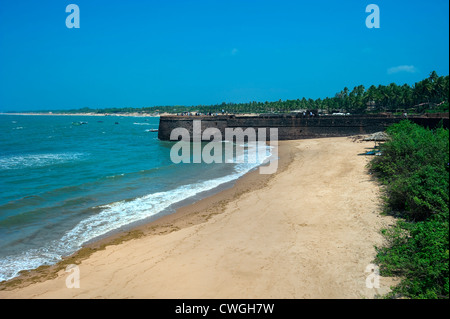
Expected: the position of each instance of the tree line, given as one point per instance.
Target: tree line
(429, 95)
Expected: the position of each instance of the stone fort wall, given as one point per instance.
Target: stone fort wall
(292, 127)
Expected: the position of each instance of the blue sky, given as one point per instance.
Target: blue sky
(138, 53)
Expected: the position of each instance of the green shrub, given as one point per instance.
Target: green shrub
(418, 253)
(414, 167)
(420, 195)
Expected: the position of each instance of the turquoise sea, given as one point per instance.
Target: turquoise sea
(63, 184)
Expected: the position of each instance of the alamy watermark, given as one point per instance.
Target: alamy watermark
(73, 19)
(373, 279)
(255, 141)
(73, 279)
(373, 19)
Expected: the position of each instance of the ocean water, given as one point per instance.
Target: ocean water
(64, 185)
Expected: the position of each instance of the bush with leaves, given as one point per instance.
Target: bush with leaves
(415, 170)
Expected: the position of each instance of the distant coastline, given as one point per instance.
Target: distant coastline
(84, 114)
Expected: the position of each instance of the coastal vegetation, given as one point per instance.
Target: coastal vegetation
(414, 168)
(429, 95)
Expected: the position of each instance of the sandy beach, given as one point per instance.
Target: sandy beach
(307, 231)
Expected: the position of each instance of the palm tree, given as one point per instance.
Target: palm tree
(406, 96)
(433, 76)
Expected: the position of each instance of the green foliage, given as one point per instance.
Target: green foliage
(414, 167)
(428, 95)
(418, 253)
(444, 107)
(415, 170)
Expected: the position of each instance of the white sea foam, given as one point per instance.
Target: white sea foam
(37, 160)
(117, 215)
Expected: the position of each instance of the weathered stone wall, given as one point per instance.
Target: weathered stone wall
(291, 127)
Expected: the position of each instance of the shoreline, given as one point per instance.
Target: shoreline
(234, 244)
(184, 215)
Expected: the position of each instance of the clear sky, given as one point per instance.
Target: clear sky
(139, 53)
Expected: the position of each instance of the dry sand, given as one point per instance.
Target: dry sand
(307, 231)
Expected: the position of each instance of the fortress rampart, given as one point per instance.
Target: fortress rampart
(292, 127)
